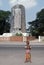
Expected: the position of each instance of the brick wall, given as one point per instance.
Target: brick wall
(31, 38)
(16, 38)
(20, 38)
(4, 38)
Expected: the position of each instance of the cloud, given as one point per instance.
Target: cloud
(0, 3)
(26, 3)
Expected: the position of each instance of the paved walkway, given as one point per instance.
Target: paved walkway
(33, 42)
(20, 44)
(16, 56)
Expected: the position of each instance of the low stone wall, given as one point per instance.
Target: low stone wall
(4, 38)
(16, 38)
(31, 37)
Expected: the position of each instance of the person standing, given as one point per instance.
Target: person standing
(27, 53)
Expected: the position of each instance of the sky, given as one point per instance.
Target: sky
(31, 7)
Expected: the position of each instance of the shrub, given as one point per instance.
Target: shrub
(18, 34)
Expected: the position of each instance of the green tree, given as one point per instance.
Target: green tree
(37, 26)
(2, 23)
(7, 27)
(4, 26)
(40, 15)
(4, 14)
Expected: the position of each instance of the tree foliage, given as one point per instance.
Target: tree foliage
(37, 26)
(40, 15)
(4, 26)
(18, 34)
